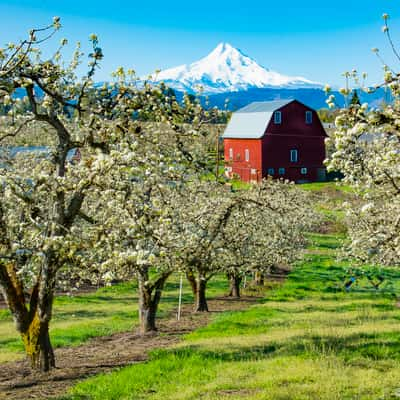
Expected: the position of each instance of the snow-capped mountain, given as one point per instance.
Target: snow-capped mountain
(227, 69)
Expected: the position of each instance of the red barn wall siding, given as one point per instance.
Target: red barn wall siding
(276, 150)
(239, 164)
(293, 133)
(294, 122)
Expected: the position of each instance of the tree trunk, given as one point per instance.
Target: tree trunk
(190, 276)
(149, 299)
(31, 322)
(234, 288)
(199, 286)
(44, 313)
(259, 279)
(147, 313)
(201, 300)
(33, 326)
(37, 344)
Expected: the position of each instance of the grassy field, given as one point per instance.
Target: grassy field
(104, 312)
(309, 339)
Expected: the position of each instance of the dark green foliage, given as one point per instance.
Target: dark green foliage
(355, 100)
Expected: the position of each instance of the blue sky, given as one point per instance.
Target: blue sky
(315, 39)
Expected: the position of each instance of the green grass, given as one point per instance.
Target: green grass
(326, 187)
(308, 339)
(104, 312)
(239, 185)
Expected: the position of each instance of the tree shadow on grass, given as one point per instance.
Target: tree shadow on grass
(83, 314)
(11, 343)
(340, 308)
(371, 347)
(71, 300)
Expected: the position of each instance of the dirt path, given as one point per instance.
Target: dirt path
(103, 354)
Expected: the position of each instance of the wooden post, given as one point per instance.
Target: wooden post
(180, 299)
(217, 167)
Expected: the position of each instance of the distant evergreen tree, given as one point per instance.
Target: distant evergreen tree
(192, 98)
(355, 100)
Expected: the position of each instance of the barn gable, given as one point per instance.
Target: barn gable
(295, 121)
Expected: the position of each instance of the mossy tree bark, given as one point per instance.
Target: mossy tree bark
(31, 320)
(38, 346)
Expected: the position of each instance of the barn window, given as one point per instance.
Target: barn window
(231, 153)
(277, 117)
(308, 117)
(281, 171)
(271, 171)
(303, 171)
(294, 155)
(247, 155)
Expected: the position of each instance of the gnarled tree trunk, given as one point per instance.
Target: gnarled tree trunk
(234, 285)
(35, 330)
(38, 346)
(191, 277)
(149, 299)
(201, 300)
(31, 322)
(199, 286)
(259, 279)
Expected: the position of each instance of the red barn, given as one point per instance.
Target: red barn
(283, 139)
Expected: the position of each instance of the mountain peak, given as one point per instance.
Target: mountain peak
(227, 69)
(224, 47)
(225, 53)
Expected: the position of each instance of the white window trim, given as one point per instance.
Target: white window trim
(304, 171)
(247, 155)
(309, 117)
(231, 153)
(277, 117)
(294, 155)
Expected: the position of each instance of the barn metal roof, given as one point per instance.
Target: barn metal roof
(250, 122)
(264, 106)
